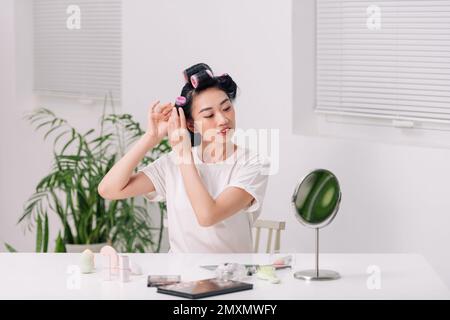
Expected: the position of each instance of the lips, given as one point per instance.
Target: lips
(223, 131)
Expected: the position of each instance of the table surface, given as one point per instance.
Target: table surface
(363, 276)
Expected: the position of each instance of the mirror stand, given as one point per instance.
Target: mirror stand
(317, 274)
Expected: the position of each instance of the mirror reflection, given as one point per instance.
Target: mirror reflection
(317, 198)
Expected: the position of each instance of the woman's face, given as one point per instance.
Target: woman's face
(213, 115)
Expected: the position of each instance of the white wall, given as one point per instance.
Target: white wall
(16, 141)
(394, 197)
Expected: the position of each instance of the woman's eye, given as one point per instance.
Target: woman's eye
(210, 116)
(227, 108)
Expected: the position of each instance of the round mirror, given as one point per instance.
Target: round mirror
(316, 199)
(315, 203)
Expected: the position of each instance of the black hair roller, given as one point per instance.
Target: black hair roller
(189, 72)
(203, 79)
(227, 83)
(225, 79)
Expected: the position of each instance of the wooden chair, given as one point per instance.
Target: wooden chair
(271, 226)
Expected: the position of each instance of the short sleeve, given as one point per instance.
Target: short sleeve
(156, 172)
(252, 176)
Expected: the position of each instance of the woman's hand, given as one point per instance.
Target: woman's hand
(179, 137)
(158, 120)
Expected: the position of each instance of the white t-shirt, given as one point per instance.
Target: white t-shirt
(244, 169)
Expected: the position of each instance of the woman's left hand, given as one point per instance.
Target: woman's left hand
(179, 137)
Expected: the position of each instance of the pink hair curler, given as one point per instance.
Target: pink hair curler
(194, 81)
(194, 69)
(202, 78)
(180, 101)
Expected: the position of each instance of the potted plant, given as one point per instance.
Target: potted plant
(80, 161)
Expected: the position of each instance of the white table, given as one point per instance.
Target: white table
(50, 276)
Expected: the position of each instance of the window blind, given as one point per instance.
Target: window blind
(386, 59)
(77, 49)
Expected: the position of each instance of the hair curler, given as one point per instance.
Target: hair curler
(180, 101)
(195, 69)
(202, 79)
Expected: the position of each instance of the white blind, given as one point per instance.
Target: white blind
(386, 59)
(83, 61)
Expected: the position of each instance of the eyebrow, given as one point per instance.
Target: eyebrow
(209, 108)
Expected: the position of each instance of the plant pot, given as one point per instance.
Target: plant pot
(77, 248)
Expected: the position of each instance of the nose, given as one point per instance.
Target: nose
(222, 119)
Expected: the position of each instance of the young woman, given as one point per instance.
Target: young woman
(213, 188)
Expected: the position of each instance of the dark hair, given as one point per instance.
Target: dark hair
(200, 77)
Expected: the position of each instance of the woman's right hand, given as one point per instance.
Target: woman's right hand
(157, 118)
